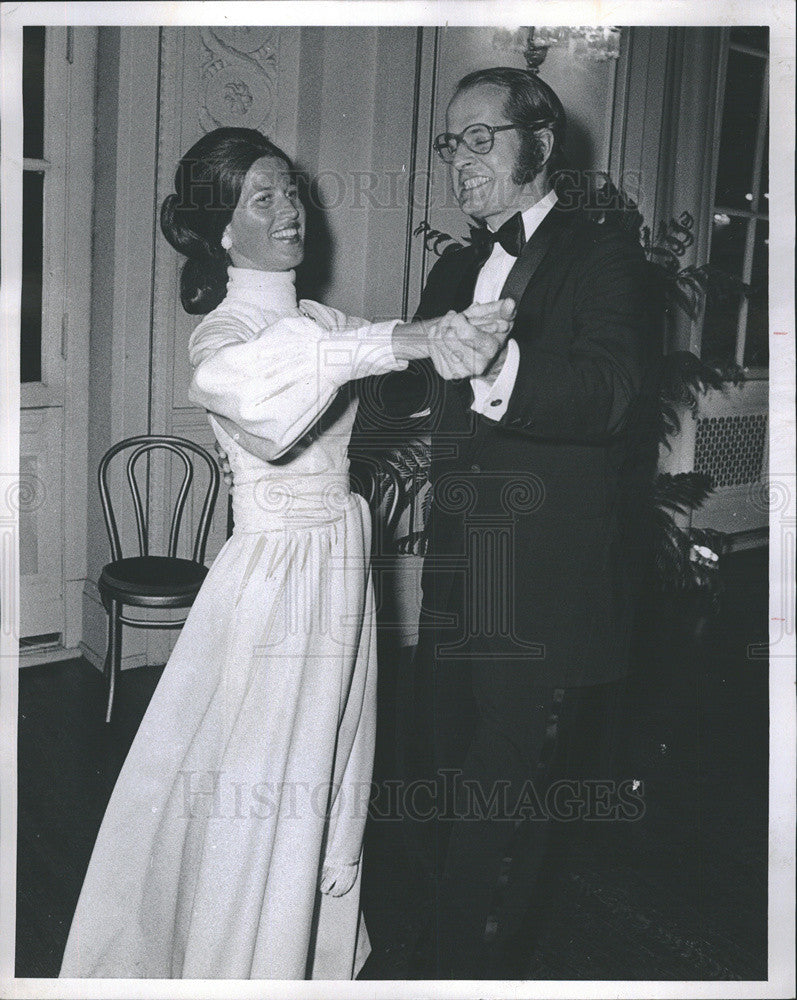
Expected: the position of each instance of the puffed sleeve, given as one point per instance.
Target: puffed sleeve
(278, 383)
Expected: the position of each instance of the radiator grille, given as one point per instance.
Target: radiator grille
(731, 449)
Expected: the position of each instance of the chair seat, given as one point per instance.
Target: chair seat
(153, 580)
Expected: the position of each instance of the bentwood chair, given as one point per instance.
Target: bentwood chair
(151, 581)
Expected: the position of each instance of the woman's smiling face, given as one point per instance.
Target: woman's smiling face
(267, 226)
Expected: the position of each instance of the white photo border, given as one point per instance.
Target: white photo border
(780, 16)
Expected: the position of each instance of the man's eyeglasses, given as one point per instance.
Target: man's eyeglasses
(479, 138)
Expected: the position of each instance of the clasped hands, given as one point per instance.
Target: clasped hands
(471, 343)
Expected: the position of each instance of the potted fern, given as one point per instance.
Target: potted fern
(683, 557)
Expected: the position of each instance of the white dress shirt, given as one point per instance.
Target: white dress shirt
(492, 400)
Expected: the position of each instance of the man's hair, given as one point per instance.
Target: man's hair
(530, 103)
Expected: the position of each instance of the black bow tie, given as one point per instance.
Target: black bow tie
(511, 236)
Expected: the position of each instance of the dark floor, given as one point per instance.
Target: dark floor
(679, 894)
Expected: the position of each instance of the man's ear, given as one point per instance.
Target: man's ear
(546, 143)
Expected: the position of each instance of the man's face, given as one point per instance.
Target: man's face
(483, 182)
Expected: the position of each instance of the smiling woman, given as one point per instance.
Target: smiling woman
(227, 182)
(231, 845)
(267, 226)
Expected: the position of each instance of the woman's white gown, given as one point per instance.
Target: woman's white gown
(231, 845)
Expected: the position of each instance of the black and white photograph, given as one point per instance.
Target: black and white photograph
(397, 500)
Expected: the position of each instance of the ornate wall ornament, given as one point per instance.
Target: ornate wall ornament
(239, 77)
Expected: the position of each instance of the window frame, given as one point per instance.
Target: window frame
(752, 217)
(54, 165)
(61, 398)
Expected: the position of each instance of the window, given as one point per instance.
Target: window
(735, 326)
(33, 181)
(58, 86)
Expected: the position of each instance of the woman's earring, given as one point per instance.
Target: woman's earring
(226, 241)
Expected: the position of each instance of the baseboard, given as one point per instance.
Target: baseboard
(95, 659)
(51, 654)
(98, 659)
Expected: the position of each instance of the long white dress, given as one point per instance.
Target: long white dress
(231, 846)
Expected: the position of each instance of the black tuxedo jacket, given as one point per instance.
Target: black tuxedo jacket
(535, 527)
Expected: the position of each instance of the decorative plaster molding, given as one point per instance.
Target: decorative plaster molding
(239, 77)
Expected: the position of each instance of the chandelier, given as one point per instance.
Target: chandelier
(593, 43)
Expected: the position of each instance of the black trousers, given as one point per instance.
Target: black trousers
(498, 743)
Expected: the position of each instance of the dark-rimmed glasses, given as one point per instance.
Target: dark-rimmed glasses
(479, 138)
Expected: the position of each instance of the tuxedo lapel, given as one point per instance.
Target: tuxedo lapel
(518, 284)
(534, 252)
(463, 294)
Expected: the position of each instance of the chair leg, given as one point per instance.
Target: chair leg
(113, 658)
(106, 665)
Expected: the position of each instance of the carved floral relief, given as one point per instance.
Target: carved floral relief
(238, 77)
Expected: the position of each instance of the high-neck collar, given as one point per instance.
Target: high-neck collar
(272, 290)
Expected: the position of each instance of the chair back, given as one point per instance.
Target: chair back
(186, 451)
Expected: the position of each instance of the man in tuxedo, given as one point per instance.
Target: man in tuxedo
(538, 468)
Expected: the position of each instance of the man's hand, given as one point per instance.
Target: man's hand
(226, 471)
(462, 346)
(491, 317)
(422, 338)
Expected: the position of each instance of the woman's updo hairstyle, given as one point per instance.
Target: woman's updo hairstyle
(207, 186)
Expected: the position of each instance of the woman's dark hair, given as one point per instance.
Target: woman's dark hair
(531, 103)
(207, 186)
